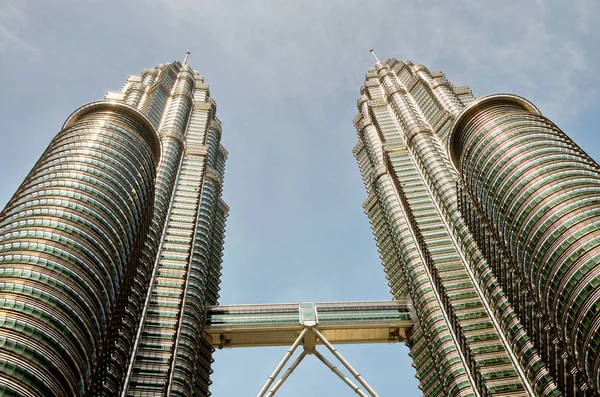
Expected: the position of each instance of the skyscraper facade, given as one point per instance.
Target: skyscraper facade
(486, 217)
(111, 248)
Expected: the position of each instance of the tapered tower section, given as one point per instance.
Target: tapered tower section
(469, 338)
(161, 350)
(70, 241)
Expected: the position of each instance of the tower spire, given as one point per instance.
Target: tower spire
(374, 56)
(185, 60)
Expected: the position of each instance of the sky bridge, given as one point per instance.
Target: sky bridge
(280, 324)
(309, 324)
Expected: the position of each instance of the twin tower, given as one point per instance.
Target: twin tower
(486, 216)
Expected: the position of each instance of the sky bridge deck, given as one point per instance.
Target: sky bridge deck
(281, 324)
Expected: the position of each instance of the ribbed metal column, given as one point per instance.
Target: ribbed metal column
(189, 373)
(148, 366)
(70, 239)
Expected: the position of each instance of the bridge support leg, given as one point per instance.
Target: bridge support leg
(286, 374)
(285, 359)
(346, 364)
(340, 374)
(311, 350)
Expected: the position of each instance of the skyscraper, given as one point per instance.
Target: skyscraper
(486, 216)
(110, 250)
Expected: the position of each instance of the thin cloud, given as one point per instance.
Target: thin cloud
(319, 48)
(521, 45)
(13, 23)
(587, 10)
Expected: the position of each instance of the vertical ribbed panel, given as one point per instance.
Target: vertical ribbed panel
(190, 376)
(394, 224)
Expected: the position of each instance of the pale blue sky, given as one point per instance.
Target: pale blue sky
(286, 75)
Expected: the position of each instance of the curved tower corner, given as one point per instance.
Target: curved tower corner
(70, 239)
(537, 194)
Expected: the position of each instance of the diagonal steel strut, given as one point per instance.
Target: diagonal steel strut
(340, 374)
(346, 364)
(332, 367)
(287, 374)
(285, 359)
